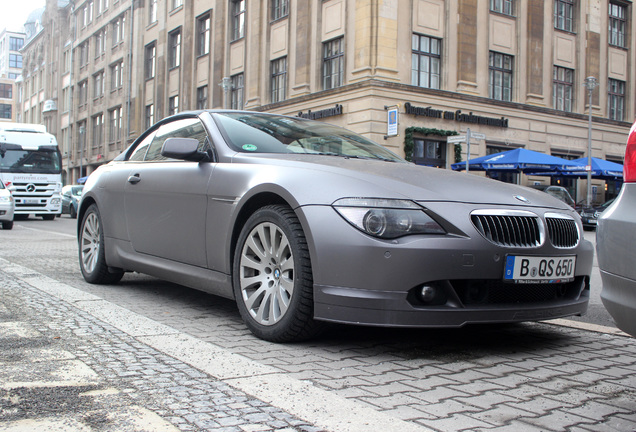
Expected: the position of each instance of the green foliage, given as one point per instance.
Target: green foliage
(408, 140)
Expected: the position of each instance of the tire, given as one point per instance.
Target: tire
(7, 225)
(273, 286)
(73, 212)
(91, 250)
(48, 217)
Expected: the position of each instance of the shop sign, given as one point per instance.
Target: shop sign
(316, 115)
(392, 121)
(455, 116)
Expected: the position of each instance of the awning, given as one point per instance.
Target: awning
(518, 160)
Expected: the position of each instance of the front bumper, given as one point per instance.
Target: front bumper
(6, 212)
(362, 280)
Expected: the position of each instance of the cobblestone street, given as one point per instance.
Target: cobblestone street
(150, 355)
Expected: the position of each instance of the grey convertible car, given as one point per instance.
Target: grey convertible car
(304, 223)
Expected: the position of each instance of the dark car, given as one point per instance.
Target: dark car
(616, 247)
(70, 199)
(559, 192)
(590, 215)
(302, 223)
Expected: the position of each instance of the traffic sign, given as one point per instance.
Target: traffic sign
(456, 139)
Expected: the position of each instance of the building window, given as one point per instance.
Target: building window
(202, 97)
(426, 61)
(119, 30)
(236, 94)
(15, 61)
(100, 42)
(617, 25)
(429, 153)
(174, 49)
(176, 3)
(15, 44)
(279, 79)
(83, 93)
(98, 130)
(115, 123)
(333, 64)
(66, 59)
(149, 119)
(562, 83)
(238, 19)
(98, 85)
(564, 15)
(173, 105)
(152, 11)
(500, 76)
(83, 54)
(616, 99)
(280, 9)
(150, 57)
(505, 7)
(6, 91)
(117, 75)
(5, 111)
(203, 35)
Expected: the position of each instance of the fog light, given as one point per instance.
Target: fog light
(428, 293)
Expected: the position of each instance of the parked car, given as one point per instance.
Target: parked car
(559, 192)
(7, 207)
(615, 240)
(590, 215)
(303, 223)
(71, 194)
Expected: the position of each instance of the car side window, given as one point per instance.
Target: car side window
(140, 151)
(182, 128)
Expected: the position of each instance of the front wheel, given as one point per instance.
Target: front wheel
(73, 212)
(272, 277)
(48, 217)
(7, 225)
(91, 250)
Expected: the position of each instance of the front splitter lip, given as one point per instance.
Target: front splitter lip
(389, 309)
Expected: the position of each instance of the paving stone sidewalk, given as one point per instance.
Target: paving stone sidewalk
(527, 377)
(63, 369)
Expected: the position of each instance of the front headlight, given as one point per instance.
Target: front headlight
(6, 198)
(387, 218)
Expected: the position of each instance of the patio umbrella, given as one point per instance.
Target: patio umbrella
(517, 160)
(601, 168)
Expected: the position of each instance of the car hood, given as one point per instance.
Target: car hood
(363, 177)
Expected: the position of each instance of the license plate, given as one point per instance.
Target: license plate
(31, 201)
(539, 269)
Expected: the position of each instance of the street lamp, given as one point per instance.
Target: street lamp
(590, 84)
(82, 130)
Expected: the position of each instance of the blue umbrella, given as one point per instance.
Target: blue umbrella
(600, 169)
(516, 160)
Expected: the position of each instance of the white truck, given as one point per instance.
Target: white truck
(31, 168)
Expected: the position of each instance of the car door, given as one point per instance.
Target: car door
(165, 199)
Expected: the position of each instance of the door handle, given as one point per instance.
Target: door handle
(134, 179)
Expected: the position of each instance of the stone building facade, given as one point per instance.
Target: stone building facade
(510, 70)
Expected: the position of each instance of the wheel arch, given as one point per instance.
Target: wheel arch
(249, 207)
(84, 205)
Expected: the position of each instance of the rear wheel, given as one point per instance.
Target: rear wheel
(91, 250)
(7, 225)
(273, 282)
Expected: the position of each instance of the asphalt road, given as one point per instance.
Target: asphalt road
(596, 314)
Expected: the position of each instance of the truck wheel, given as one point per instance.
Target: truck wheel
(48, 217)
(7, 225)
(92, 256)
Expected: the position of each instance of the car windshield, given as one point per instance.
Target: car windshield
(262, 133)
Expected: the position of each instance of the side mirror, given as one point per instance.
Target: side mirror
(184, 149)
